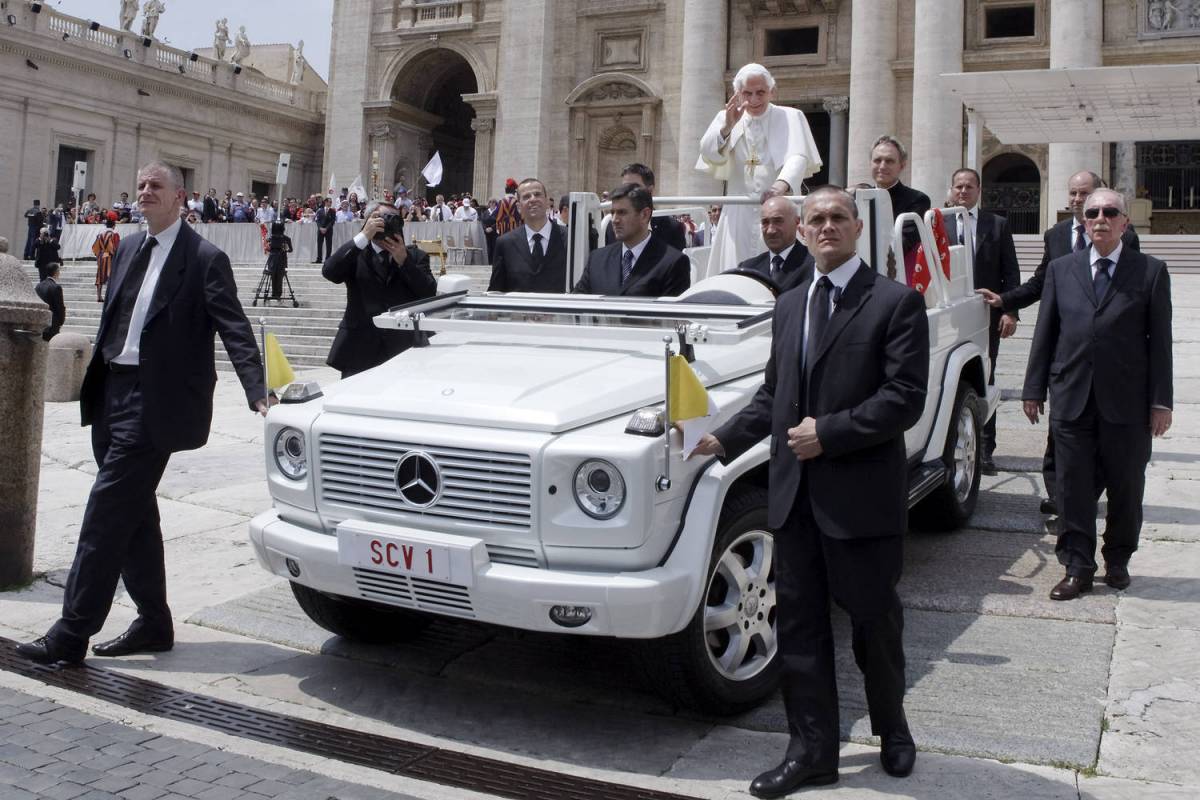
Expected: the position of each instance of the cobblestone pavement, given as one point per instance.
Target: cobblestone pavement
(50, 751)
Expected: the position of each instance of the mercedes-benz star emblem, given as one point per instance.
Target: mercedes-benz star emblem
(418, 479)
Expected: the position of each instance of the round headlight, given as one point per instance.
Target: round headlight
(291, 456)
(599, 489)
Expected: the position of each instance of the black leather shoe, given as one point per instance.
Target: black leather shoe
(1116, 576)
(788, 777)
(44, 650)
(1071, 587)
(897, 753)
(135, 640)
(987, 466)
(1048, 508)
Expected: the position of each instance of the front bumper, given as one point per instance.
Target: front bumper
(634, 605)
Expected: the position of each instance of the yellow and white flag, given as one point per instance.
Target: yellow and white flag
(279, 371)
(690, 406)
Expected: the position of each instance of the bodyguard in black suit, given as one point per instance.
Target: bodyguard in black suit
(996, 269)
(668, 229)
(325, 217)
(1061, 239)
(786, 261)
(147, 393)
(838, 486)
(640, 264)
(379, 273)
(52, 295)
(1102, 347)
(533, 256)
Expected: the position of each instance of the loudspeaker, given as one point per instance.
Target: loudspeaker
(93, 26)
(281, 169)
(237, 69)
(79, 181)
(147, 41)
(194, 57)
(35, 7)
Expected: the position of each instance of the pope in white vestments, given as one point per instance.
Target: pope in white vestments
(757, 148)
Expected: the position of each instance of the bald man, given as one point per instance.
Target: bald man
(786, 261)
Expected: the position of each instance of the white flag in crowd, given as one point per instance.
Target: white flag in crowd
(433, 170)
(332, 190)
(358, 190)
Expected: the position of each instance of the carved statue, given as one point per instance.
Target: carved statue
(298, 63)
(129, 10)
(221, 38)
(150, 14)
(241, 46)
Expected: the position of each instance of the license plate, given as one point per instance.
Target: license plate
(417, 559)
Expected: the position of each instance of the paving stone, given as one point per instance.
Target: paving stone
(189, 786)
(66, 790)
(142, 791)
(238, 780)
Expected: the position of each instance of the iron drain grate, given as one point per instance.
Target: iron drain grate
(397, 756)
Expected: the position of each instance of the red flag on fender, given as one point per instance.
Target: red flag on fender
(920, 277)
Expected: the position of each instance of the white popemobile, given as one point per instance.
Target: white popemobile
(515, 471)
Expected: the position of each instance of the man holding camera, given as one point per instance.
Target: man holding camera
(379, 272)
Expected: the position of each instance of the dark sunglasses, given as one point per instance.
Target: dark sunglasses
(1109, 212)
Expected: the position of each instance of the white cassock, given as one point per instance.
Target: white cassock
(783, 147)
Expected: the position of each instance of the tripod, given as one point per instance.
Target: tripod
(265, 286)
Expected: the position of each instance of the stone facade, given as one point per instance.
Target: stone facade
(110, 98)
(570, 90)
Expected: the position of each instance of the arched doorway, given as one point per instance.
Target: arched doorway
(435, 82)
(1012, 188)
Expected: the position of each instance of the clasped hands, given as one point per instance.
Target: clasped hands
(802, 440)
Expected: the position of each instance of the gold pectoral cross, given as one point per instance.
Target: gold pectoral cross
(753, 161)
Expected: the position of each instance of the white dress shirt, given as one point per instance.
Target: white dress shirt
(636, 249)
(545, 232)
(1114, 257)
(839, 277)
(137, 320)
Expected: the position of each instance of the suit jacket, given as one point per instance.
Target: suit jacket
(325, 217)
(797, 267)
(669, 229)
(1057, 239)
(210, 209)
(905, 199)
(196, 297)
(661, 271)
(1118, 349)
(45, 253)
(52, 294)
(370, 291)
(996, 265)
(880, 329)
(512, 263)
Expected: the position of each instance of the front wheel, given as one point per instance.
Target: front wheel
(726, 660)
(359, 620)
(950, 505)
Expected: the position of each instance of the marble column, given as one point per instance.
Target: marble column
(872, 83)
(350, 70)
(1124, 169)
(1076, 34)
(382, 157)
(836, 108)
(484, 129)
(703, 92)
(937, 142)
(525, 77)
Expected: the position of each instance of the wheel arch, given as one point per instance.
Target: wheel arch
(964, 363)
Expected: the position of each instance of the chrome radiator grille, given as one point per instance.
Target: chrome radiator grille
(481, 487)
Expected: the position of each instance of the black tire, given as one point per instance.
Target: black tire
(683, 667)
(950, 505)
(359, 620)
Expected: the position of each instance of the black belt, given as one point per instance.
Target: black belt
(122, 368)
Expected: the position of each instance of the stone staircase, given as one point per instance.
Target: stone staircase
(304, 333)
(1182, 253)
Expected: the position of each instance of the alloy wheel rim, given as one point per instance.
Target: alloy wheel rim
(964, 454)
(739, 612)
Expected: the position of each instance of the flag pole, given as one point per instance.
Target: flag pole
(262, 333)
(664, 481)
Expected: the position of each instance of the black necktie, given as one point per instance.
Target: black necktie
(1080, 241)
(777, 267)
(131, 285)
(1101, 279)
(536, 254)
(626, 266)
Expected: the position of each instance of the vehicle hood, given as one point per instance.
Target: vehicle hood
(526, 386)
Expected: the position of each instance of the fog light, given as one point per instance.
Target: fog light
(571, 616)
(292, 566)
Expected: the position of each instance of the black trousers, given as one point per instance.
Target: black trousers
(861, 575)
(324, 240)
(120, 536)
(989, 427)
(1081, 447)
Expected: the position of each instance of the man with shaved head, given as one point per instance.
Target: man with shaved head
(1102, 350)
(846, 378)
(786, 261)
